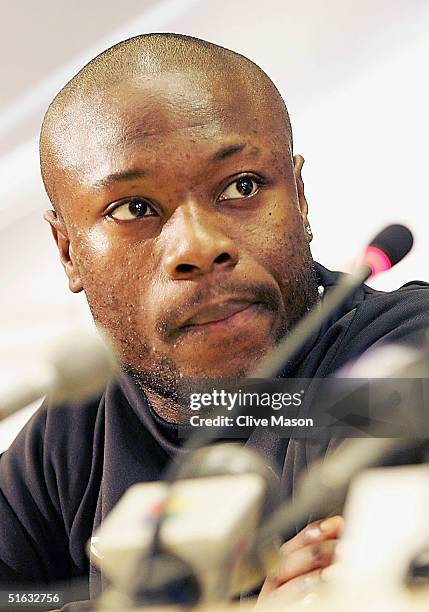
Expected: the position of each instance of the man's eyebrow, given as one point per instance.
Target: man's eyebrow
(227, 151)
(138, 173)
(121, 176)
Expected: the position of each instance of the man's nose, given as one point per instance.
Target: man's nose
(197, 247)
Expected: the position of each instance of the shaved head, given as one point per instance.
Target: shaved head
(139, 60)
(179, 207)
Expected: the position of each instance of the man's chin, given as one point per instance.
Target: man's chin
(230, 368)
(231, 357)
(169, 381)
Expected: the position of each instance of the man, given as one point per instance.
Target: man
(179, 209)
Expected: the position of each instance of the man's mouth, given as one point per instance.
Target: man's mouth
(226, 314)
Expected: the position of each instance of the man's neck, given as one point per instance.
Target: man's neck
(166, 408)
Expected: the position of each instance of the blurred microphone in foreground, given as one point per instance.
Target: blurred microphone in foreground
(77, 366)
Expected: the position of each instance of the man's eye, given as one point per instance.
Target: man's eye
(242, 187)
(132, 209)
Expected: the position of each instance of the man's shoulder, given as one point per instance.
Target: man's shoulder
(329, 277)
(405, 306)
(71, 416)
(411, 299)
(370, 317)
(56, 429)
(398, 316)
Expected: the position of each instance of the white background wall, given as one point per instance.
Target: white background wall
(354, 77)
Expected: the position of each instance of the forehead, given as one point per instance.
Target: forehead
(170, 113)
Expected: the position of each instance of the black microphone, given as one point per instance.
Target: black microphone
(393, 243)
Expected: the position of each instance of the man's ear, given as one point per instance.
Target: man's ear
(65, 250)
(298, 162)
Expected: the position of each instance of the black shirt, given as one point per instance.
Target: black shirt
(69, 465)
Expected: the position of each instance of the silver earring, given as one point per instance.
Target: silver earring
(308, 229)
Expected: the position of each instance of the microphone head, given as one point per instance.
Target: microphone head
(83, 363)
(231, 458)
(388, 248)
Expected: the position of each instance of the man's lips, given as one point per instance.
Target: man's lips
(216, 313)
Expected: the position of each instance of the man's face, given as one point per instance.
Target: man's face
(183, 225)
